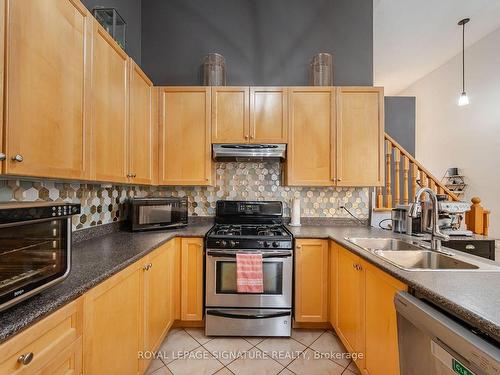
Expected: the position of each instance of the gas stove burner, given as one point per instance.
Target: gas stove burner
(270, 231)
(228, 230)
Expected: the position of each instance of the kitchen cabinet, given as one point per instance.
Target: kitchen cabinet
(114, 323)
(334, 281)
(360, 136)
(54, 344)
(192, 279)
(268, 115)
(350, 300)
(109, 139)
(311, 136)
(230, 114)
(381, 332)
(366, 315)
(143, 127)
(47, 88)
(311, 280)
(159, 294)
(185, 126)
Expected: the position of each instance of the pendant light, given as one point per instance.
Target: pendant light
(463, 99)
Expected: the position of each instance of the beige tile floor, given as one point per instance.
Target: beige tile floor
(189, 351)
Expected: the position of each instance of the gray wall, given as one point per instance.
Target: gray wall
(264, 41)
(400, 120)
(130, 10)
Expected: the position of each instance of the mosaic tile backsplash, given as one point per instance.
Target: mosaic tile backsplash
(101, 204)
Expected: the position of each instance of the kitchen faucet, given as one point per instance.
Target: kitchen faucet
(436, 235)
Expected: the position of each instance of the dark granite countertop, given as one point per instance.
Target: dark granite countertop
(472, 296)
(93, 261)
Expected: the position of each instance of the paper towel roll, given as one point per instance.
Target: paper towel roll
(295, 214)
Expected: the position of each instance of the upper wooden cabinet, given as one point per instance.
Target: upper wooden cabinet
(109, 108)
(311, 280)
(143, 127)
(311, 136)
(46, 88)
(268, 114)
(230, 114)
(360, 136)
(185, 152)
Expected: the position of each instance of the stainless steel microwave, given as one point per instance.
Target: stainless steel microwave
(35, 248)
(157, 213)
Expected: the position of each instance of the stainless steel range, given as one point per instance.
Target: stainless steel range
(248, 227)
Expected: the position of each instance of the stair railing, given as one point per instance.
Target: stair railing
(404, 175)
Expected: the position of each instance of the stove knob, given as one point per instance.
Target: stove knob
(223, 243)
(266, 244)
(232, 243)
(276, 244)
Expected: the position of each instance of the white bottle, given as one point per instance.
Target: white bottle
(295, 214)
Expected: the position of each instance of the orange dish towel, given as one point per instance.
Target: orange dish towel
(249, 275)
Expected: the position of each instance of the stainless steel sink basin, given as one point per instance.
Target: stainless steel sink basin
(383, 244)
(424, 260)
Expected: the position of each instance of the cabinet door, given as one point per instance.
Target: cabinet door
(47, 76)
(158, 296)
(310, 145)
(381, 334)
(113, 324)
(67, 362)
(185, 147)
(110, 108)
(192, 279)
(350, 300)
(143, 143)
(311, 280)
(230, 118)
(360, 136)
(268, 114)
(333, 270)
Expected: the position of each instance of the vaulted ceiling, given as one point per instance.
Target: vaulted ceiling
(414, 37)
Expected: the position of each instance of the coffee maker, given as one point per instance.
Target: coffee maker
(451, 215)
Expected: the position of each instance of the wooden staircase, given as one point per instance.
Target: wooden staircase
(404, 175)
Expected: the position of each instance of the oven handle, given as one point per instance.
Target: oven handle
(219, 254)
(247, 316)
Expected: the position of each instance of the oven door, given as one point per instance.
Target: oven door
(33, 256)
(221, 291)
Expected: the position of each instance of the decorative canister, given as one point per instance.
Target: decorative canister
(321, 70)
(214, 70)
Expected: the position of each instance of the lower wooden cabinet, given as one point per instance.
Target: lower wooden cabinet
(381, 331)
(192, 279)
(366, 315)
(350, 300)
(113, 324)
(334, 280)
(55, 344)
(159, 294)
(311, 280)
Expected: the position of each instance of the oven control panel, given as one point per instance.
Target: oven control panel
(247, 244)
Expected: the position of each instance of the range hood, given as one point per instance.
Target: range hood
(246, 152)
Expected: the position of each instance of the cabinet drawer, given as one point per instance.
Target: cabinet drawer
(45, 340)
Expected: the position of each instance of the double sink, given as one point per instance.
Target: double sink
(414, 256)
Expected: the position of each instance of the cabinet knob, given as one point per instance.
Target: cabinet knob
(246, 136)
(339, 179)
(146, 267)
(299, 246)
(18, 157)
(26, 358)
(2, 156)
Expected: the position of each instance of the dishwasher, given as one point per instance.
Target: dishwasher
(431, 342)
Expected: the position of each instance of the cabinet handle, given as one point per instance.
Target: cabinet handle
(2, 156)
(246, 136)
(146, 267)
(339, 179)
(18, 157)
(26, 358)
(469, 247)
(150, 265)
(299, 246)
